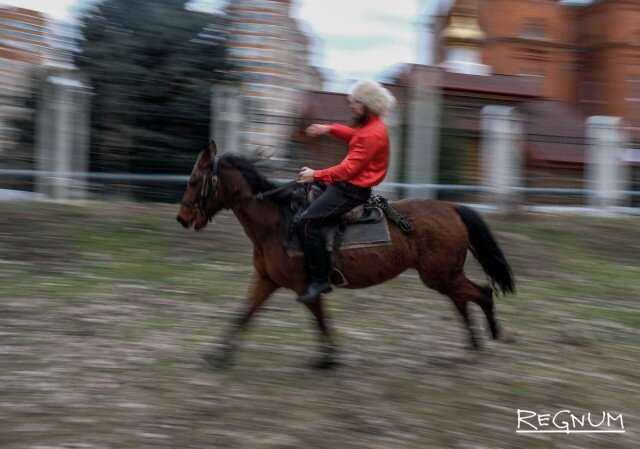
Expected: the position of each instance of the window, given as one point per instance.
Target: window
(21, 35)
(23, 25)
(593, 96)
(633, 92)
(633, 99)
(534, 28)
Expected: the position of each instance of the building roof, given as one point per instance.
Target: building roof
(554, 131)
(504, 85)
(513, 86)
(332, 107)
(326, 107)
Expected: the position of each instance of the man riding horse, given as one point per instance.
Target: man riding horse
(437, 248)
(350, 182)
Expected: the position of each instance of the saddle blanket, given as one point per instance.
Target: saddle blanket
(374, 232)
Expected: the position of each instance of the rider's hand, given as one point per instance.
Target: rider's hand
(305, 176)
(317, 130)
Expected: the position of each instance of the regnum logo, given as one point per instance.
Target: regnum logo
(567, 422)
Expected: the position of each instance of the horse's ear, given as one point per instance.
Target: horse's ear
(209, 152)
(213, 148)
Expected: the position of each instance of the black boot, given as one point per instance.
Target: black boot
(318, 272)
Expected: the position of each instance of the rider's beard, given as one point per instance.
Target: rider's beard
(360, 119)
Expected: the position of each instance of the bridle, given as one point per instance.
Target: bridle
(210, 185)
(210, 177)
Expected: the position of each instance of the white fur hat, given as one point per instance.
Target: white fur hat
(371, 94)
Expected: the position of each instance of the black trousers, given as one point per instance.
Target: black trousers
(337, 199)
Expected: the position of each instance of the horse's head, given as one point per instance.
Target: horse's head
(202, 197)
(218, 183)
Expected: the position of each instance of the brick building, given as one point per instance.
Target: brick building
(587, 55)
(271, 54)
(580, 58)
(24, 53)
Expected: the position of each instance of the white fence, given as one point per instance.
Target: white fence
(175, 183)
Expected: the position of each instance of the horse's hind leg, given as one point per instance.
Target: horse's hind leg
(261, 289)
(464, 291)
(460, 300)
(460, 291)
(328, 358)
(485, 301)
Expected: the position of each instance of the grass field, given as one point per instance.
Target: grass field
(105, 307)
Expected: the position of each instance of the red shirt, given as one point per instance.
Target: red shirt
(367, 161)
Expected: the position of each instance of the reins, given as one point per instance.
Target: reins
(262, 195)
(211, 184)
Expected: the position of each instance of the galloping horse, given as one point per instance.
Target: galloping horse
(436, 248)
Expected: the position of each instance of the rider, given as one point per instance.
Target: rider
(350, 182)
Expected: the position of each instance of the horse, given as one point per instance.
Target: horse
(436, 248)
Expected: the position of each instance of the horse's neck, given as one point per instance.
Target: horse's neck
(260, 220)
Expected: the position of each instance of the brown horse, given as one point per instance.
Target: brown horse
(436, 248)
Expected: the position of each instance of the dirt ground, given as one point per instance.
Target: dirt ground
(105, 308)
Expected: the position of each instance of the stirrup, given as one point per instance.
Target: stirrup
(338, 278)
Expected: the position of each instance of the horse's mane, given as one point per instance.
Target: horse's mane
(257, 181)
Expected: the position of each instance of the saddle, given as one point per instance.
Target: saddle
(359, 214)
(360, 227)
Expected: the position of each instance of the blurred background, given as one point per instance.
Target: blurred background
(530, 109)
(499, 101)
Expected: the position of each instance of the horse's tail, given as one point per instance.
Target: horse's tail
(485, 248)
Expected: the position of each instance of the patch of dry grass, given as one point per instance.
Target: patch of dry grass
(105, 307)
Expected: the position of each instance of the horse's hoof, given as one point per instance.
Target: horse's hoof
(216, 360)
(326, 362)
(476, 344)
(507, 336)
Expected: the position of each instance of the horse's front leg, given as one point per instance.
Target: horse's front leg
(328, 358)
(261, 289)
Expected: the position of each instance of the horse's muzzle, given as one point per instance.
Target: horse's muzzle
(182, 222)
